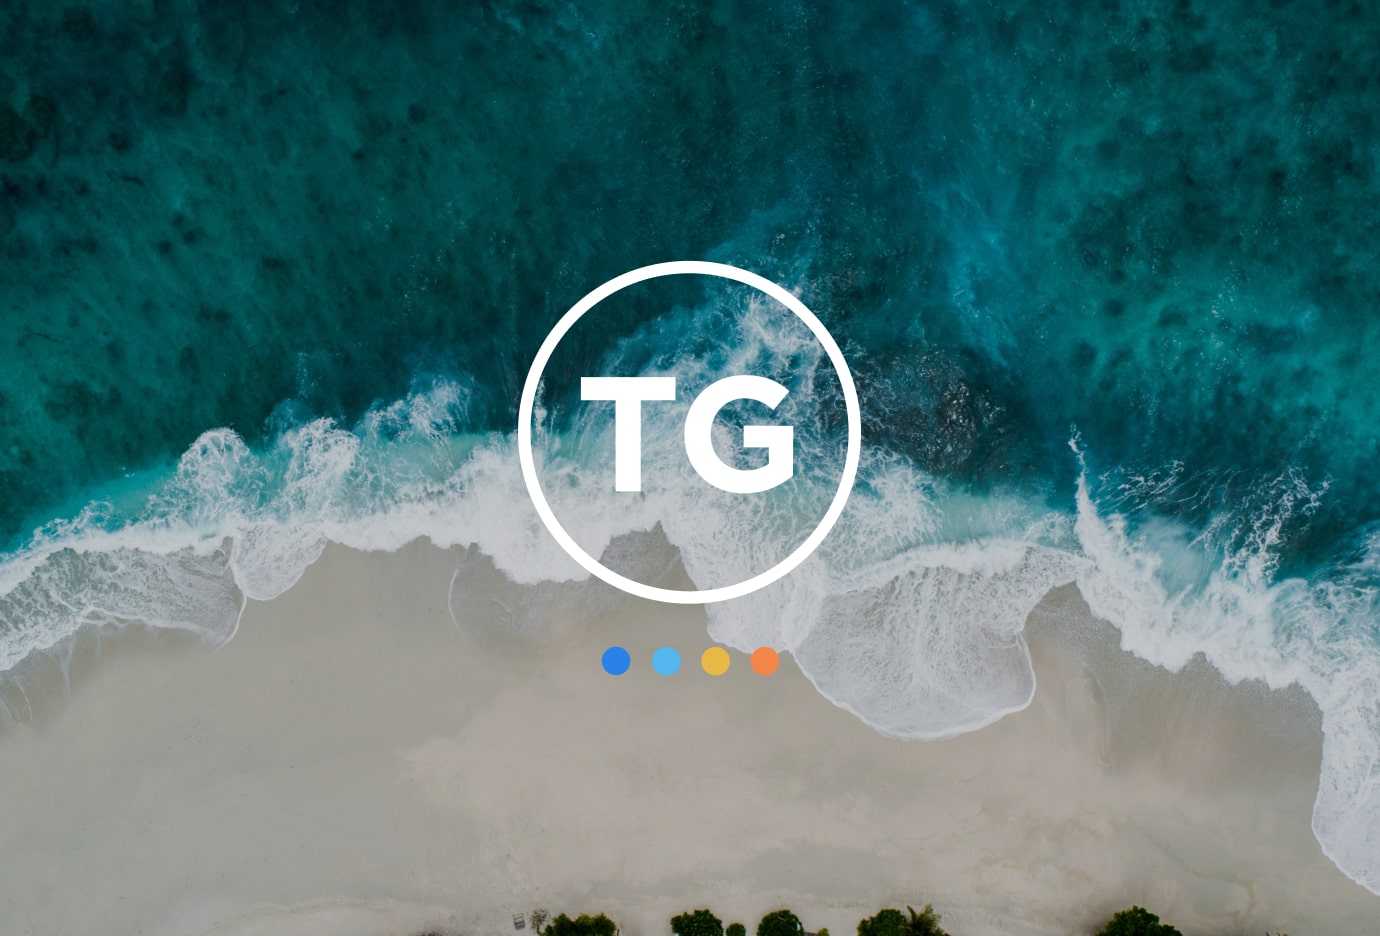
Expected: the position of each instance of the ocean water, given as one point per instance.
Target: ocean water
(271, 276)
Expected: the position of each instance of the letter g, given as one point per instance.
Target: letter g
(779, 441)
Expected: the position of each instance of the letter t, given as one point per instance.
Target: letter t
(627, 394)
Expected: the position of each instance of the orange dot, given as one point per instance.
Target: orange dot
(765, 661)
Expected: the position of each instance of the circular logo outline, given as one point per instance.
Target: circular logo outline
(528, 403)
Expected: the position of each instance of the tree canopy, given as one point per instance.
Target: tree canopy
(891, 922)
(736, 929)
(924, 923)
(780, 923)
(582, 925)
(1137, 922)
(698, 923)
(886, 923)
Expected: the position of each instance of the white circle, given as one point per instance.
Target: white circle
(529, 396)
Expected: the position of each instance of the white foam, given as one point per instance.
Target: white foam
(1320, 633)
(930, 646)
(183, 589)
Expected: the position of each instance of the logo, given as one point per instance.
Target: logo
(629, 393)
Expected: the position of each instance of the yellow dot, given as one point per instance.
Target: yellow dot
(715, 661)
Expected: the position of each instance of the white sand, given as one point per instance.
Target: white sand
(352, 763)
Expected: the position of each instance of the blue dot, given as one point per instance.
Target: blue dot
(666, 661)
(616, 661)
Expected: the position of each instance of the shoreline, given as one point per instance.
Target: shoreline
(352, 762)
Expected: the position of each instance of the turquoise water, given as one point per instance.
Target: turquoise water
(271, 274)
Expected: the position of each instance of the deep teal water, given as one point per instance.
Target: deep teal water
(1150, 228)
(1154, 221)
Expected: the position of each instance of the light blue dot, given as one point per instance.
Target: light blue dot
(666, 661)
(616, 661)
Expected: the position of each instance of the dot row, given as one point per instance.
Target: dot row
(714, 661)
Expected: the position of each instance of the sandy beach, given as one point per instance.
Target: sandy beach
(354, 762)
